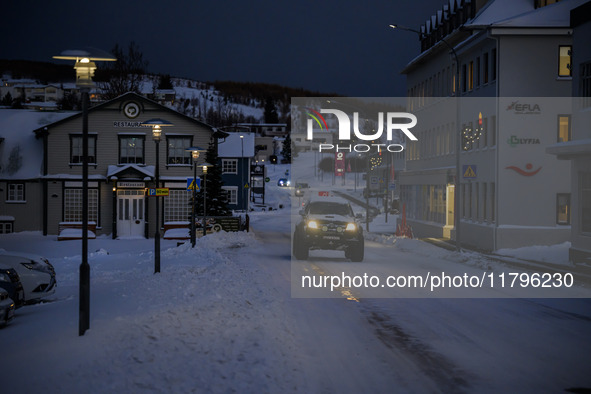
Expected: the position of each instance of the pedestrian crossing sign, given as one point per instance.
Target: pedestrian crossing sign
(469, 171)
(191, 184)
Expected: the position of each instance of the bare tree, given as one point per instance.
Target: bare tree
(124, 75)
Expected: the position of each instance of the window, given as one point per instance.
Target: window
(492, 202)
(485, 70)
(493, 65)
(493, 130)
(229, 166)
(177, 206)
(131, 149)
(563, 128)
(16, 192)
(76, 149)
(484, 201)
(585, 87)
(471, 75)
(563, 208)
(177, 150)
(73, 205)
(477, 198)
(586, 202)
(231, 194)
(6, 227)
(464, 76)
(564, 61)
(477, 75)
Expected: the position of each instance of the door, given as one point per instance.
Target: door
(130, 213)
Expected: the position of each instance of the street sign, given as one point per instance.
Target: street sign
(469, 171)
(158, 192)
(191, 184)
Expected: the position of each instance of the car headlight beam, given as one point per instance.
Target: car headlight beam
(351, 227)
(313, 224)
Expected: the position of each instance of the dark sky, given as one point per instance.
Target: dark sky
(340, 46)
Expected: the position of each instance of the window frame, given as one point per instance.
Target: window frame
(227, 161)
(81, 190)
(558, 131)
(14, 198)
(569, 65)
(141, 137)
(568, 209)
(231, 191)
(187, 160)
(80, 136)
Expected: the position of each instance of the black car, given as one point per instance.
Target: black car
(328, 223)
(10, 281)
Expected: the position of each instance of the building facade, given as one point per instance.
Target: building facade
(506, 101)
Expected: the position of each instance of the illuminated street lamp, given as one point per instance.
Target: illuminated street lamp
(195, 151)
(156, 124)
(458, 134)
(85, 68)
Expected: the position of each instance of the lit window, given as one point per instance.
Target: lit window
(131, 149)
(471, 75)
(564, 61)
(177, 150)
(563, 128)
(563, 208)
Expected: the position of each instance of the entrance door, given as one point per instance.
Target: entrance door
(130, 213)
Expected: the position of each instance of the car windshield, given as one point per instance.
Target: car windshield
(329, 208)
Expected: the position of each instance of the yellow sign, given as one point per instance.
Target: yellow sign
(469, 171)
(162, 191)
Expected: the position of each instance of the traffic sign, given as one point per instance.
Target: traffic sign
(469, 171)
(191, 184)
(158, 192)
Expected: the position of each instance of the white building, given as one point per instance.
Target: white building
(514, 66)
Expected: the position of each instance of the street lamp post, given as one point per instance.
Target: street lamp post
(205, 165)
(157, 125)
(195, 151)
(85, 68)
(458, 134)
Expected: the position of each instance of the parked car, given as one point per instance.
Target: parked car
(283, 182)
(6, 308)
(36, 274)
(11, 283)
(328, 223)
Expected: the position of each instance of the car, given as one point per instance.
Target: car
(300, 189)
(36, 274)
(328, 223)
(11, 283)
(283, 182)
(6, 308)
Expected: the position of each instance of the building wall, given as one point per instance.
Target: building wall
(28, 215)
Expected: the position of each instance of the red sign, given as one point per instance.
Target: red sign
(339, 164)
(324, 194)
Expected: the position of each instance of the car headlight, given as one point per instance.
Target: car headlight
(351, 227)
(313, 224)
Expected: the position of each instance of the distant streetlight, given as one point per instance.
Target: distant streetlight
(195, 151)
(156, 124)
(85, 68)
(458, 136)
(204, 167)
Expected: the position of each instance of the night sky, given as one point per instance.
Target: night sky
(333, 46)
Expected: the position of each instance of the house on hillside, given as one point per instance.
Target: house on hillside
(235, 153)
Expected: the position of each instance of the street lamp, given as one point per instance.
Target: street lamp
(195, 151)
(204, 167)
(458, 135)
(85, 68)
(157, 125)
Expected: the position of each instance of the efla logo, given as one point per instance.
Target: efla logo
(392, 124)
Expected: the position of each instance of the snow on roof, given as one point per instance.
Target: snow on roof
(21, 154)
(521, 13)
(113, 170)
(232, 146)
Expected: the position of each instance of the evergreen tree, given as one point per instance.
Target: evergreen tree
(7, 100)
(215, 198)
(165, 82)
(286, 151)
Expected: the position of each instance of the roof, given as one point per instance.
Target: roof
(21, 154)
(127, 96)
(234, 146)
(521, 13)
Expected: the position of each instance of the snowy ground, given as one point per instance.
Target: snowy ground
(220, 318)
